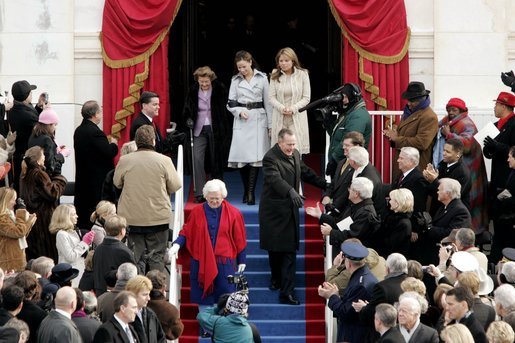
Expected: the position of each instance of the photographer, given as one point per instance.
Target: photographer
(227, 321)
(352, 116)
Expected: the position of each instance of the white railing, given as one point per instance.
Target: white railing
(175, 275)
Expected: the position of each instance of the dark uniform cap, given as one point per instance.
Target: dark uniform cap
(509, 253)
(354, 251)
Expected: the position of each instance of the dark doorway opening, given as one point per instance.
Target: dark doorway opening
(209, 32)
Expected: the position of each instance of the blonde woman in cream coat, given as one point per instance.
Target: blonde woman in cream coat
(290, 90)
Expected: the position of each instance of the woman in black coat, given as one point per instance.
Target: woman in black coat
(206, 117)
(395, 233)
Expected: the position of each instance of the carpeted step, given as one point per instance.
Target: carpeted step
(260, 262)
(288, 327)
(305, 245)
(280, 311)
(253, 230)
(292, 339)
(262, 278)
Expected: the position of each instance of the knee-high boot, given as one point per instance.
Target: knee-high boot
(253, 175)
(244, 173)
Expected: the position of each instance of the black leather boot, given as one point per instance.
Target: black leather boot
(244, 173)
(253, 175)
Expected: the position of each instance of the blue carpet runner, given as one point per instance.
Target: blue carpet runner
(276, 322)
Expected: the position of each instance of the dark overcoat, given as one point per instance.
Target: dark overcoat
(278, 217)
(93, 160)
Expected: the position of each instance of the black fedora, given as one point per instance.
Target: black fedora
(63, 273)
(415, 90)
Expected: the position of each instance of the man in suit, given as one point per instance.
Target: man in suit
(111, 253)
(94, 154)
(336, 196)
(452, 214)
(385, 320)
(58, 325)
(451, 166)
(86, 325)
(360, 286)
(386, 291)
(418, 126)
(149, 103)
(413, 331)
(459, 308)
(117, 329)
(279, 211)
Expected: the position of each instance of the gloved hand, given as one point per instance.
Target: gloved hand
(241, 268)
(20, 204)
(88, 238)
(174, 250)
(190, 123)
(330, 208)
(508, 78)
(296, 198)
(491, 143)
(331, 167)
(11, 137)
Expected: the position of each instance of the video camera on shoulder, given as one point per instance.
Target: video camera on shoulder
(239, 280)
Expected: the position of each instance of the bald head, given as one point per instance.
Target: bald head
(66, 299)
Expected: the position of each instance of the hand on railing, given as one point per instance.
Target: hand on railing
(174, 250)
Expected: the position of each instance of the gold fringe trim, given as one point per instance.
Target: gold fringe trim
(370, 86)
(362, 52)
(129, 62)
(128, 102)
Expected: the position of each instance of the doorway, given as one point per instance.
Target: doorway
(209, 32)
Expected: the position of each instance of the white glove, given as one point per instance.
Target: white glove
(174, 250)
(241, 268)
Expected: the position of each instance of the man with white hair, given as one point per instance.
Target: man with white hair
(386, 291)
(58, 325)
(504, 297)
(411, 328)
(452, 214)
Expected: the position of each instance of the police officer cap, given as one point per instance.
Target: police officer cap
(354, 251)
(509, 253)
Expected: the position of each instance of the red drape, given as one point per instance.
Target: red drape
(135, 53)
(375, 56)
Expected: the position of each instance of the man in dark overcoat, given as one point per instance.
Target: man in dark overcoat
(278, 211)
(94, 158)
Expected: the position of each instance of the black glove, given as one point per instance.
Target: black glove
(20, 204)
(331, 167)
(508, 79)
(331, 209)
(190, 123)
(491, 144)
(296, 198)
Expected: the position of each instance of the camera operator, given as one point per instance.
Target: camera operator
(352, 116)
(227, 321)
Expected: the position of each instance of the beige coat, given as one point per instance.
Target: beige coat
(301, 95)
(417, 131)
(147, 180)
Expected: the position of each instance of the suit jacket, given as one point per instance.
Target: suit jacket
(417, 184)
(56, 328)
(112, 331)
(141, 120)
(475, 328)
(149, 330)
(457, 171)
(386, 291)
(393, 335)
(424, 334)
(338, 189)
(371, 173)
(94, 158)
(87, 327)
(33, 315)
(454, 216)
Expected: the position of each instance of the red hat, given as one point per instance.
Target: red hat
(457, 102)
(506, 98)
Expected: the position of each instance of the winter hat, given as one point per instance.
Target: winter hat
(506, 98)
(352, 91)
(238, 303)
(457, 102)
(48, 116)
(21, 90)
(415, 90)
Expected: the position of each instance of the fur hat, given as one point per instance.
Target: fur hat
(21, 90)
(48, 116)
(457, 102)
(238, 303)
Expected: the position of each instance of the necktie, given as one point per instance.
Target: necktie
(129, 334)
(400, 179)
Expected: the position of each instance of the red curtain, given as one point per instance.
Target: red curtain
(375, 56)
(135, 53)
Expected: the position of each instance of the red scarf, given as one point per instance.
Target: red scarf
(504, 120)
(230, 240)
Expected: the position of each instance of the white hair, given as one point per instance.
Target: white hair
(363, 186)
(412, 302)
(422, 302)
(504, 295)
(397, 263)
(359, 155)
(214, 185)
(508, 269)
(452, 187)
(126, 271)
(412, 154)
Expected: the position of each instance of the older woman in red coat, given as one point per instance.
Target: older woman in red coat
(458, 124)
